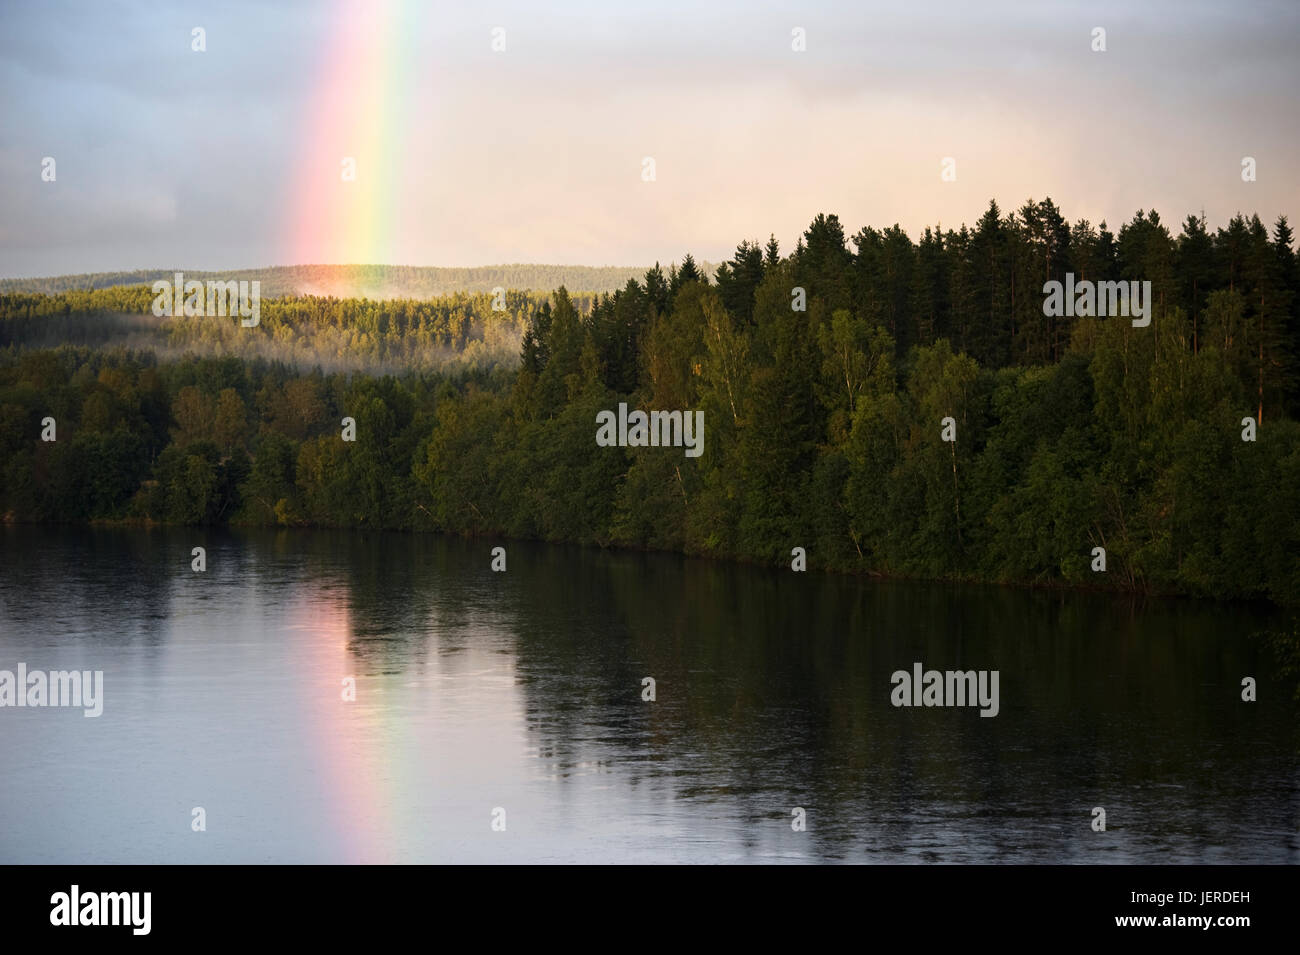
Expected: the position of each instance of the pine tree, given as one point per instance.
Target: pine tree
(1194, 264)
(738, 280)
(1288, 271)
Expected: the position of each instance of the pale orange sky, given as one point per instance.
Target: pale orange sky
(167, 157)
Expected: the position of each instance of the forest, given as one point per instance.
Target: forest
(360, 281)
(824, 424)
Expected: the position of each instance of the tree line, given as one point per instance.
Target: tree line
(363, 281)
(823, 424)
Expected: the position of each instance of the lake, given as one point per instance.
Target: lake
(515, 700)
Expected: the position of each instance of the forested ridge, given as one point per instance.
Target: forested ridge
(823, 426)
(361, 281)
(306, 332)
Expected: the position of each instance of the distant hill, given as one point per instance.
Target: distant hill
(368, 281)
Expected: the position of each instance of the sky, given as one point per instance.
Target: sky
(234, 156)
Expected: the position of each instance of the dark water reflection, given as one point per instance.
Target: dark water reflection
(523, 691)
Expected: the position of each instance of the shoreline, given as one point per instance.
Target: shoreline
(1050, 586)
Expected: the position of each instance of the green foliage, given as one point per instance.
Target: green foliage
(823, 427)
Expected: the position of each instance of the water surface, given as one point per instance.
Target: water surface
(522, 691)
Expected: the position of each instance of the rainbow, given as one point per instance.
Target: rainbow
(359, 113)
(363, 748)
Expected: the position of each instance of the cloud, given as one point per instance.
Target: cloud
(171, 157)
